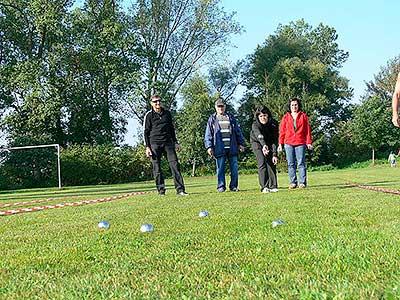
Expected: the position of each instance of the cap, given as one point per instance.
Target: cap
(219, 102)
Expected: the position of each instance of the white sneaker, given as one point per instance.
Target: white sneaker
(274, 190)
(265, 190)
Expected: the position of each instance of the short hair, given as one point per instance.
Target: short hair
(291, 100)
(220, 101)
(155, 97)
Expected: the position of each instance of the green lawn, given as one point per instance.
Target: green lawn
(339, 242)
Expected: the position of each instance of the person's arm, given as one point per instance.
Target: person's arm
(308, 133)
(282, 132)
(172, 128)
(239, 134)
(257, 133)
(395, 103)
(146, 133)
(209, 137)
(275, 136)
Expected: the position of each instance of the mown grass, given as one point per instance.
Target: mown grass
(339, 242)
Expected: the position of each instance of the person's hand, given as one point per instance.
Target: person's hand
(279, 149)
(148, 151)
(309, 146)
(395, 120)
(178, 147)
(274, 160)
(241, 148)
(210, 151)
(265, 150)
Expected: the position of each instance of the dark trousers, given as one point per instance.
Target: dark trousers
(157, 152)
(266, 170)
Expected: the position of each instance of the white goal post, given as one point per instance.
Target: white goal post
(43, 146)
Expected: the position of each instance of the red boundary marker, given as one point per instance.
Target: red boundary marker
(38, 201)
(77, 203)
(372, 188)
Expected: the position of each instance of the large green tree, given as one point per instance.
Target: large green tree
(29, 31)
(176, 37)
(100, 72)
(192, 118)
(300, 61)
(371, 125)
(65, 74)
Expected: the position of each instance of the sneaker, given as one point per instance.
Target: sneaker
(292, 186)
(221, 190)
(235, 190)
(265, 190)
(183, 193)
(274, 190)
(302, 186)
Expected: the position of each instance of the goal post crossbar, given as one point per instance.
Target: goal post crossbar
(43, 146)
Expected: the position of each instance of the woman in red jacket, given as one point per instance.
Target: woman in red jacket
(295, 134)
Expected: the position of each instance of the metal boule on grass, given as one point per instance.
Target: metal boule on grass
(278, 222)
(146, 228)
(203, 214)
(103, 224)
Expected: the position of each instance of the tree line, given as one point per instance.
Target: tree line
(72, 74)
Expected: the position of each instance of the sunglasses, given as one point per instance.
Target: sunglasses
(156, 101)
(220, 105)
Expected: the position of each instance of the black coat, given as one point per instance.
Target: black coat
(267, 134)
(158, 128)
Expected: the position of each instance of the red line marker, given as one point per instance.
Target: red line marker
(77, 203)
(37, 201)
(372, 188)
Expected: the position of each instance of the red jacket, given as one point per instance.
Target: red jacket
(300, 136)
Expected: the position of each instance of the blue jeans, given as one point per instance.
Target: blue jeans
(296, 154)
(233, 165)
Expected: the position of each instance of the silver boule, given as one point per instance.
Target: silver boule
(103, 224)
(278, 222)
(146, 228)
(203, 214)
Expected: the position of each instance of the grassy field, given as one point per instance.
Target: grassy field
(339, 242)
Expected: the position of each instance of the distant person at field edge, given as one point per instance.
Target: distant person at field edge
(295, 134)
(392, 159)
(223, 140)
(160, 139)
(395, 102)
(264, 140)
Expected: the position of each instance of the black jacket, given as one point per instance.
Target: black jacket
(158, 128)
(267, 134)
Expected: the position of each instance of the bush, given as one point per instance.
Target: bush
(103, 165)
(29, 168)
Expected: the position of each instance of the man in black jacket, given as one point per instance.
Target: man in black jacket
(160, 139)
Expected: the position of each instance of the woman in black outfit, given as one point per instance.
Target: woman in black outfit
(264, 140)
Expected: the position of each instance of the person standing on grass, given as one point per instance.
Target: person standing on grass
(264, 140)
(295, 135)
(392, 159)
(395, 103)
(160, 139)
(224, 140)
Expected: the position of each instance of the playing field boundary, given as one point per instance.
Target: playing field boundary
(373, 188)
(39, 201)
(69, 204)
